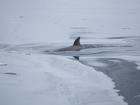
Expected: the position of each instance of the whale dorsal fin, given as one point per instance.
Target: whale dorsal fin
(77, 42)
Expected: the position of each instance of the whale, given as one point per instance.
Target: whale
(75, 47)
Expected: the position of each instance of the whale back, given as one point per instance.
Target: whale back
(77, 42)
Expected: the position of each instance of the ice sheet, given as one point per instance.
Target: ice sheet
(50, 80)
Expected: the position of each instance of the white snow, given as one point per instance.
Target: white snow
(53, 80)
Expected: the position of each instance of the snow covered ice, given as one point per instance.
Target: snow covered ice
(51, 80)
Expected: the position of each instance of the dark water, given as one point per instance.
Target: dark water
(10, 73)
(125, 75)
(123, 72)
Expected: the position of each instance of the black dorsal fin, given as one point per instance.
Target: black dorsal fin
(77, 42)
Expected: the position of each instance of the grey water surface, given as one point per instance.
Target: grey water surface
(124, 73)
